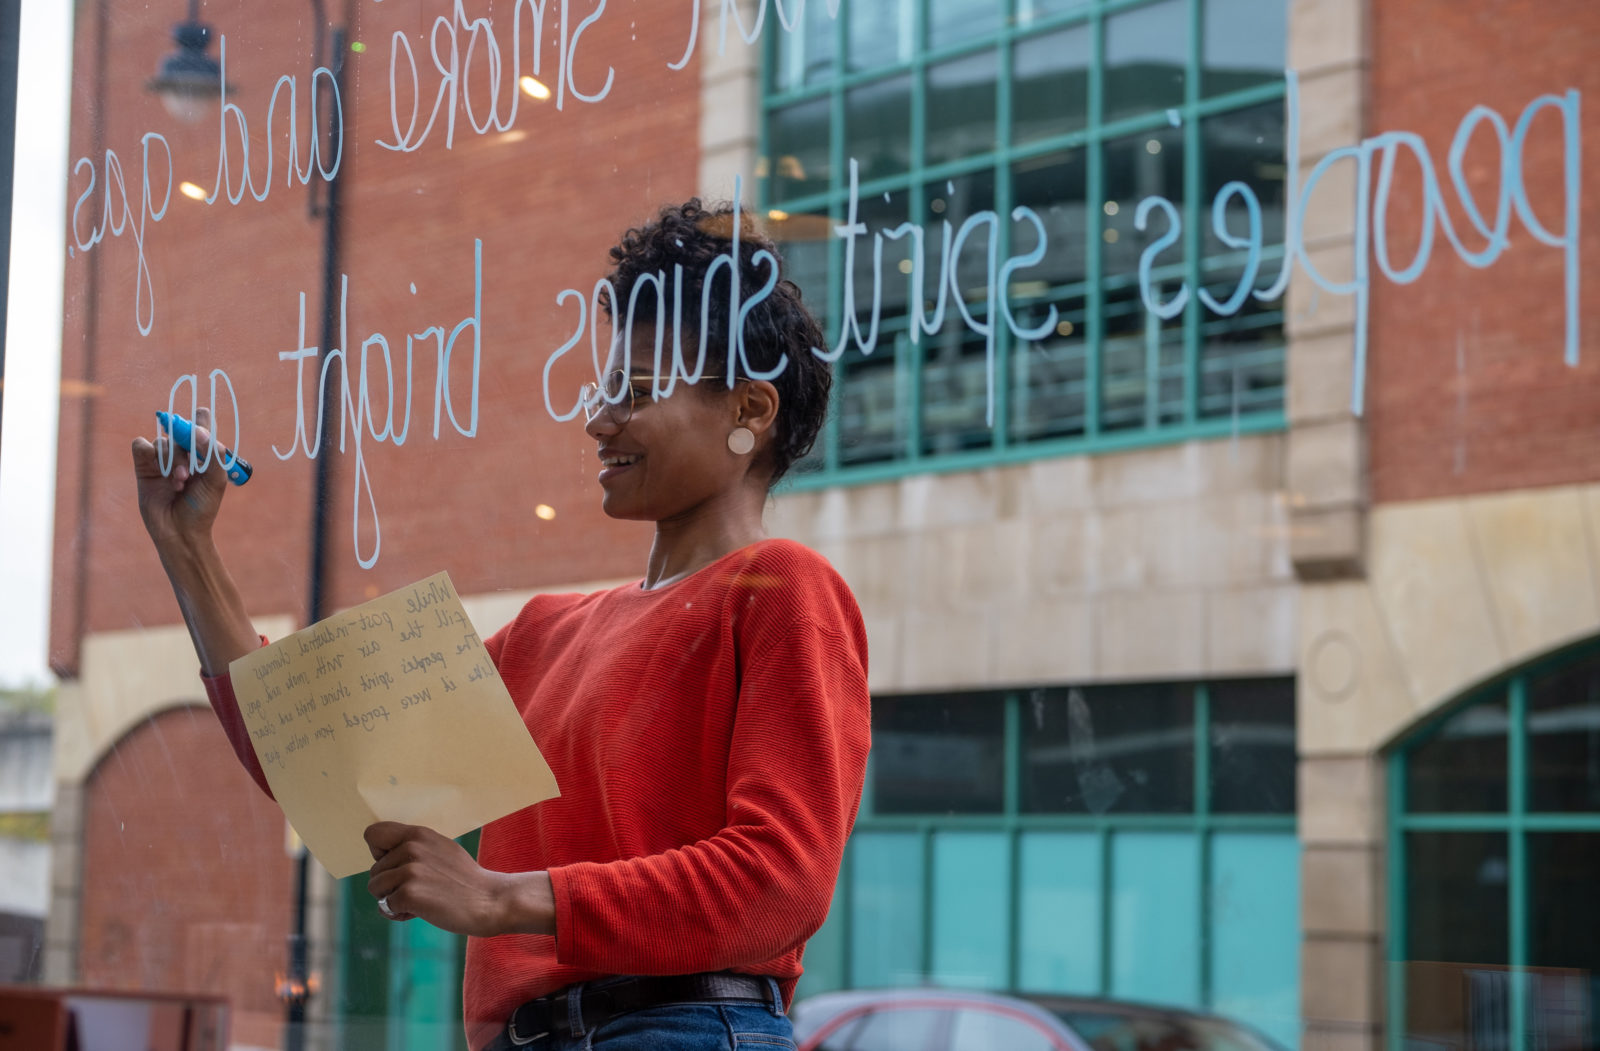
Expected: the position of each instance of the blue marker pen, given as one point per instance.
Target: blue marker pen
(182, 432)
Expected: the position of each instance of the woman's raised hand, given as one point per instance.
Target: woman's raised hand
(181, 506)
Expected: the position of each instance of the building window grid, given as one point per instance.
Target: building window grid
(827, 468)
(1515, 822)
(1014, 824)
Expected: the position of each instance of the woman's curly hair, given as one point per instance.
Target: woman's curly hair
(693, 235)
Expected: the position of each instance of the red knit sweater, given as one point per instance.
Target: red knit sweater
(710, 740)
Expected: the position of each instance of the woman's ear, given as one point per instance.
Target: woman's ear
(757, 406)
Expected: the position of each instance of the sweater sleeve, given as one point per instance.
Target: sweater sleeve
(219, 690)
(762, 885)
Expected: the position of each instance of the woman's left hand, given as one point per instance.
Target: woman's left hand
(420, 873)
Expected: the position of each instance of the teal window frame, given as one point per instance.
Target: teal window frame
(824, 467)
(1202, 823)
(1516, 822)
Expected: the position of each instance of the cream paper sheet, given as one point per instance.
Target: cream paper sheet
(390, 711)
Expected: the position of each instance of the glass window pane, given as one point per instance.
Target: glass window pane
(878, 127)
(1564, 738)
(1147, 53)
(1141, 370)
(1126, 749)
(981, 1030)
(942, 754)
(961, 108)
(1148, 164)
(971, 909)
(1049, 376)
(880, 32)
(1246, 146)
(1155, 917)
(1462, 767)
(1255, 930)
(1457, 939)
(1031, 11)
(1059, 950)
(886, 908)
(798, 137)
(955, 379)
(901, 1029)
(1245, 44)
(1563, 943)
(1050, 84)
(874, 390)
(959, 21)
(806, 56)
(1252, 747)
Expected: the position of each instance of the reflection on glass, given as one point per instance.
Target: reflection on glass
(880, 32)
(959, 21)
(1462, 767)
(1031, 11)
(875, 389)
(971, 908)
(933, 755)
(1141, 366)
(1138, 166)
(875, 399)
(975, 1029)
(1054, 186)
(1126, 749)
(1049, 376)
(1563, 943)
(1241, 355)
(1457, 939)
(1155, 879)
(878, 126)
(1244, 44)
(1050, 84)
(1060, 889)
(899, 1029)
(886, 898)
(1564, 739)
(954, 377)
(1242, 340)
(1146, 55)
(961, 108)
(1246, 146)
(1252, 746)
(806, 56)
(797, 163)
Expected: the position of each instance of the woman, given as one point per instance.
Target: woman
(708, 726)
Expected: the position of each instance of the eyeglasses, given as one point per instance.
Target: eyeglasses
(617, 396)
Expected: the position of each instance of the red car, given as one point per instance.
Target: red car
(951, 1020)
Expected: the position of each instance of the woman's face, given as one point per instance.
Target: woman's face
(671, 455)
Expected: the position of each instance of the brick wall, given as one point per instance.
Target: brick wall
(186, 884)
(547, 200)
(1467, 389)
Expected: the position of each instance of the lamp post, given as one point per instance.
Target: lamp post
(187, 81)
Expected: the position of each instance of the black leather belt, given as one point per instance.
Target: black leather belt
(550, 1016)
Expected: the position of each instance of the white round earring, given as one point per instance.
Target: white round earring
(741, 441)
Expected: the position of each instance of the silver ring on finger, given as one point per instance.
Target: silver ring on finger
(383, 907)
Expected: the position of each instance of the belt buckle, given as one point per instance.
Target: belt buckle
(519, 1040)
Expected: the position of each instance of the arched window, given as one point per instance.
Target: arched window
(1494, 863)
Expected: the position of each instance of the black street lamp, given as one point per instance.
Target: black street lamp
(187, 79)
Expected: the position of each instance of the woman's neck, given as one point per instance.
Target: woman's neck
(697, 539)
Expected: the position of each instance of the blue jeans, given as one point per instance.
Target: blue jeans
(725, 1025)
